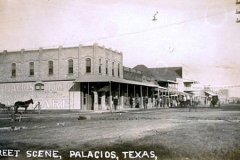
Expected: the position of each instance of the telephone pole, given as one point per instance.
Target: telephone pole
(237, 11)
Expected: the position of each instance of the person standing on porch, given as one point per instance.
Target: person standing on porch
(145, 101)
(115, 102)
(131, 102)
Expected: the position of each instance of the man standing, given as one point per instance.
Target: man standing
(115, 102)
(131, 102)
(145, 101)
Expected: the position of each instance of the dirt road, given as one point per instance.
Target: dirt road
(173, 133)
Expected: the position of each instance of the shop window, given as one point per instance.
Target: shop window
(88, 65)
(70, 66)
(13, 69)
(31, 69)
(50, 67)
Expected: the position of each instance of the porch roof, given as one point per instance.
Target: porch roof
(210, 93)
(168, 81)
(100, 78)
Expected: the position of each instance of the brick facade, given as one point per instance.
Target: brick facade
(59, 91)
(59, 57)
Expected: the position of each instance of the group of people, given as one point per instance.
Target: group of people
(135, 102)
(161, 101)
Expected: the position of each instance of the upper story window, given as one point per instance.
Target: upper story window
(13, 69)
(70, 66)
(100, 67)
(112, 68)
(31, 69)
(106, 67)
(50, 67)
(118, 69)
(88, 65)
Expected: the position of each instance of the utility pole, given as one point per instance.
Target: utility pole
(237, 11)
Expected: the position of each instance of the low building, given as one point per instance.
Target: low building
(173, 79)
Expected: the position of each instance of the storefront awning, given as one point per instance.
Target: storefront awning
(210, 93)
(168, 81)
(183, 93)
(99, 78)
(189, 81)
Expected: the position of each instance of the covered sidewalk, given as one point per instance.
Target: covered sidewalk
(97, 92)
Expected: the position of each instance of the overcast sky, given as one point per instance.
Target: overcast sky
(201, 34)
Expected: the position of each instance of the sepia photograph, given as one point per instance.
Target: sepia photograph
(120, 79)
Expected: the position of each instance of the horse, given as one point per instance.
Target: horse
(194, 105)
(24, 104)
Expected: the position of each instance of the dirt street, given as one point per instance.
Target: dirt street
(163, 133)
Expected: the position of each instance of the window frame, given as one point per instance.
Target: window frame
(113, 69)
(119, 69)
(31, 68)
(100, 66)
(88, 65)
(14, 69)
(50, 68)
(70, 66)
(106, 67)
(39, 87)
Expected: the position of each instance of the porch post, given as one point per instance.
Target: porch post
(127, 97)
(135, 99)
(153, 98)
(69, 99)
(141, 98)
(134, 91)
(80, 96)
(110, 96)
(88, 97)
(120, 98)
(158, 98)
(147, 105)
(73, 94)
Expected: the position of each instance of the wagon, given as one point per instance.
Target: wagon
(214, 101)
(6, 109)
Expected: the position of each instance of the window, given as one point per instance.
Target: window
(50, 67)
(70, 66)
(112, 68)
(118, 69)
(88, 65)
(106, 67)
(13, 69)
(100, 67)
(39, 86)
(31, 69)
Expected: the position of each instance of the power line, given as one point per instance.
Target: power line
(144, 30)
(160, 27)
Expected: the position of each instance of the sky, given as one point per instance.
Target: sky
(200, 34)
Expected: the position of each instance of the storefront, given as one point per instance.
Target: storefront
(96, 92)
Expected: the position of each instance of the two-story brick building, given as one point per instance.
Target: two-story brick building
(81, 77)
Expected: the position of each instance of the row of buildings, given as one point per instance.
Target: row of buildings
(86, 78)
